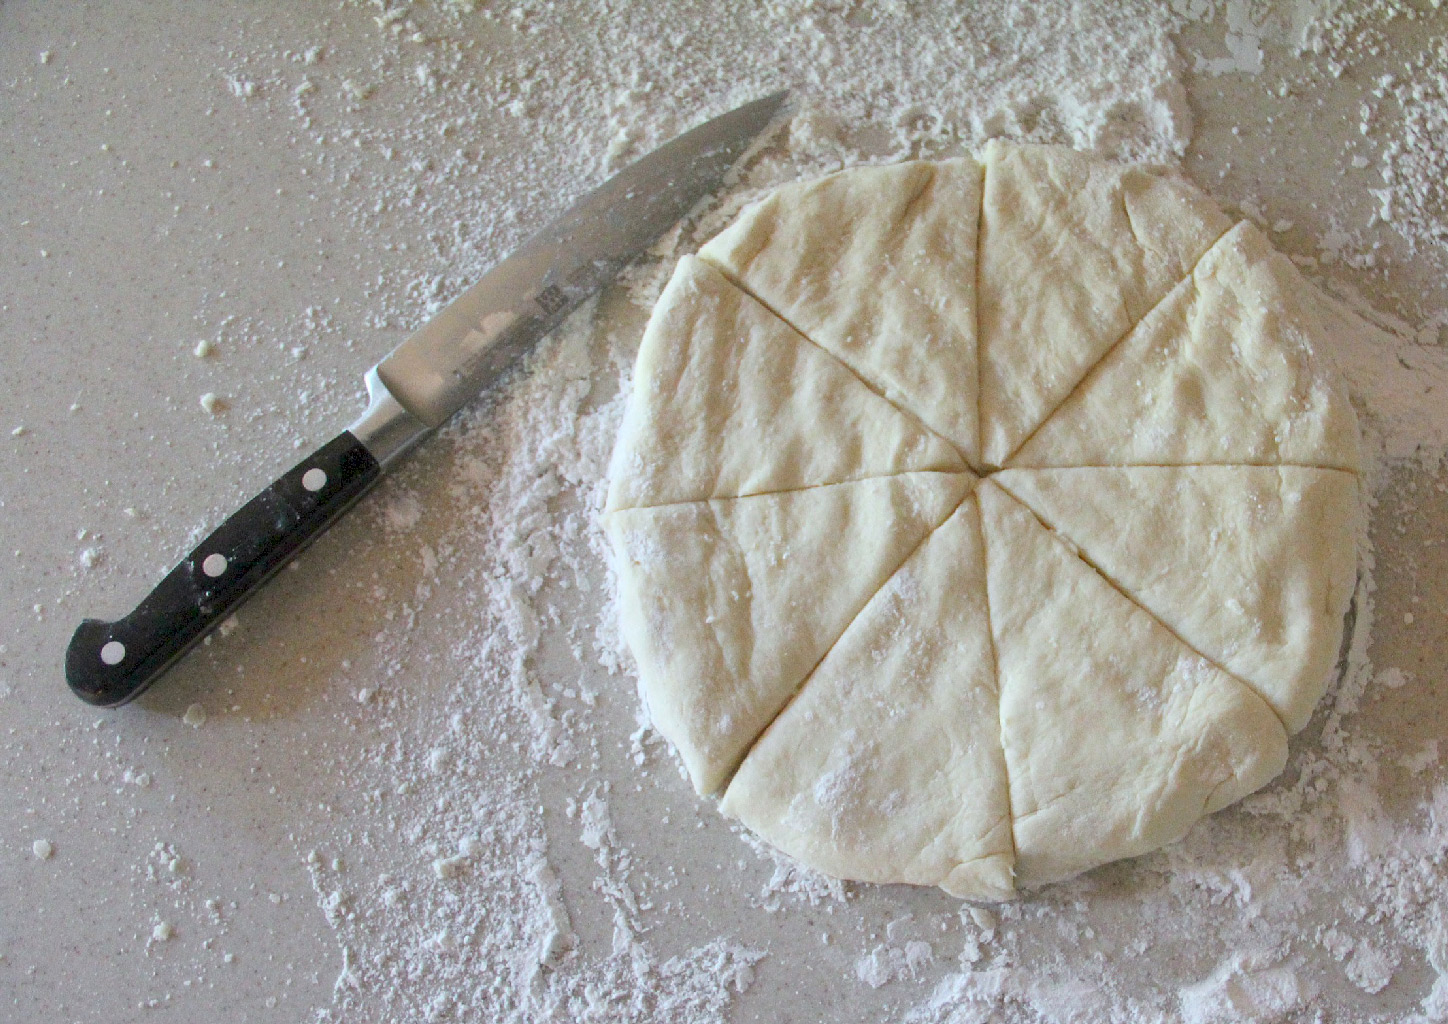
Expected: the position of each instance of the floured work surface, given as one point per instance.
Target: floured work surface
(421, 788)
(978, 524)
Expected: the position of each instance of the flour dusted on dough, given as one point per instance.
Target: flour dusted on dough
(709, 418)
(1227, 557)
(887, 766)
(728, 604)
(1231, 367)
(1117, 736)
(1073, 252)
(877, 265)
(1070, 698)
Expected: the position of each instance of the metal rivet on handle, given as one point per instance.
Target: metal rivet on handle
(314, 479)
(214, 565)
(113, 653)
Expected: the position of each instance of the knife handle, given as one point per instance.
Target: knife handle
(110, 663)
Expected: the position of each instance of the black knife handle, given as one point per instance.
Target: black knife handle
(110, 663)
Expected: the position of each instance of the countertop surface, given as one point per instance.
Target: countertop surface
(410, 781)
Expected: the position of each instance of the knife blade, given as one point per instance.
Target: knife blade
(411, 392)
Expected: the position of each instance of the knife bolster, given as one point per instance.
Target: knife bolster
(386, 429)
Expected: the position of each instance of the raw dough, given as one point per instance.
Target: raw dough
(904, 672)
(728, 604)
(888, 765)
(1222, 371)
(1117, 736)
(707, 402)
(876, 265)
(1233, 566)
(1073, 252)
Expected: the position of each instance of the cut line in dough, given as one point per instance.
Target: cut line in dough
(1117, 736)
(721, 607)
(728, 401)
(1230, 565)
(1074, 251)
(1155, 386)
(907, 783)
(870, 265)
(1225, 370)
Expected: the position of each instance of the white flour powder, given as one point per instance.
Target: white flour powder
(1213, 929)
(517, 844)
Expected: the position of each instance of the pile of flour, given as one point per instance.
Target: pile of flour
(532, 816)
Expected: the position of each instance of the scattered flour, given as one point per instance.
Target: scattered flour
(1243, 990)
(517, 822)
(530, 466)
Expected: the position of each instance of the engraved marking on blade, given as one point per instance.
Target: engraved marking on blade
(555, 298)
(551, 299)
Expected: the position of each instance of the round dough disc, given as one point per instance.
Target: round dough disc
(979, 522)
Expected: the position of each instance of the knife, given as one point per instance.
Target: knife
(412, 392)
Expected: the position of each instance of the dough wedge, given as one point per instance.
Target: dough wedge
(1073, 252)
(877, 265)
(887, 765)
(1229, 368)
(1117, 736)
(729, 604)
(728, 400)
(1230, 558)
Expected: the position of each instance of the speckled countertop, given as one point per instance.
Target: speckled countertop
(259, 838)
